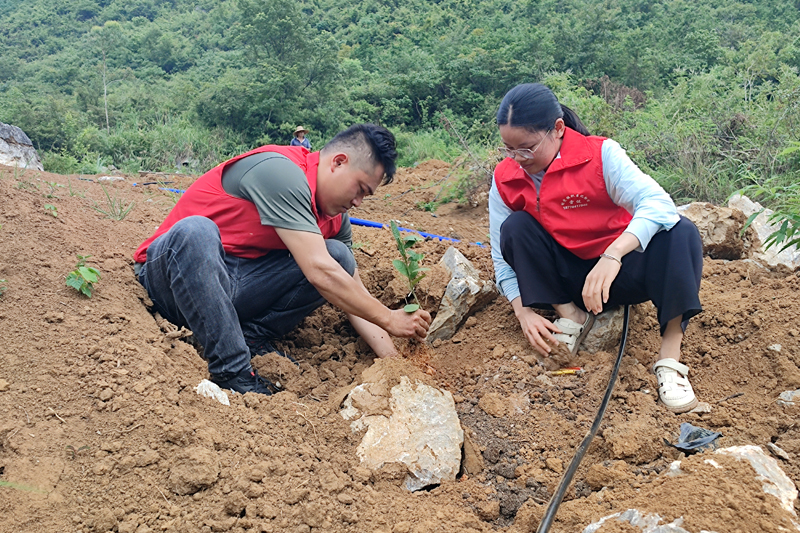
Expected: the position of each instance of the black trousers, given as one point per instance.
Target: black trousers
(668, 272)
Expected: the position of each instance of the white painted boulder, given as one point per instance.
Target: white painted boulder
(410, 423)
(16, 149)
(789, 257)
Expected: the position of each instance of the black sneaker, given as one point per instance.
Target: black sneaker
(247, 380)
(263, 347)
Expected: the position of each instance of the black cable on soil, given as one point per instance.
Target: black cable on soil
(566, 479)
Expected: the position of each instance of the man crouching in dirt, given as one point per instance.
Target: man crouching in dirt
(260, 241)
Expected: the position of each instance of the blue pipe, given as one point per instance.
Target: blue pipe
(371, 224)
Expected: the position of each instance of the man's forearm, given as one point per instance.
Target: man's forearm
(377, 338)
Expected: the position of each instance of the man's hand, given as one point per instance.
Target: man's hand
(410, 325)
(598, 283)
(537, 329)
(348, 293)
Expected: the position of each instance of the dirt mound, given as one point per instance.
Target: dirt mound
(102, 430)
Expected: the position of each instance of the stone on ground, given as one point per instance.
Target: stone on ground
(16, 149)
(412, 424)
(465, 294)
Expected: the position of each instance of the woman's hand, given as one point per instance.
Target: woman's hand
(537, 329)
(598, 284)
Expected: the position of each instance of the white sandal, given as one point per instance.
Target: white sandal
(674, 389)
(572, 333)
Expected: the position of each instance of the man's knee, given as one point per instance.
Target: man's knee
(342, 254)
(193, 232)
(194, 226)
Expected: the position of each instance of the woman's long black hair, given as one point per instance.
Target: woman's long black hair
(534, 107)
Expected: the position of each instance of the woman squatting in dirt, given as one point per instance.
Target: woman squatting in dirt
(577, 227)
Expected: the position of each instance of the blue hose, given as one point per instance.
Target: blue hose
(371, 224)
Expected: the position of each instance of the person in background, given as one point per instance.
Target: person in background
(577, 227)
(260, 241)
(299, 138)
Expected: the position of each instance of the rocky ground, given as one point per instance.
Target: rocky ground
(102, 430)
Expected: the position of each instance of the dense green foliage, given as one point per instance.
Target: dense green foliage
(703, 94)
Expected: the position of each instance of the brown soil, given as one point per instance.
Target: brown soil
(102, 430)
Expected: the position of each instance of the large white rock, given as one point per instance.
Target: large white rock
(412, 424)
(789, 257)
(16, 149)
(775, 480)
(649, 523)
(465, 294)
(775, 483)
(720, 229)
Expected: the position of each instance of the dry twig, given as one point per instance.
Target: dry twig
(56, 415)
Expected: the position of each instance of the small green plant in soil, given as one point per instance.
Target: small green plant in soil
(52, 192)
(73, 453)
(3, 286)
(409, 264)
(83, 278)
(115, 208)
(50, 209)
(20, 486)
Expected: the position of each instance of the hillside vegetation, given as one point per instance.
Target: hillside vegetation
(703, 95)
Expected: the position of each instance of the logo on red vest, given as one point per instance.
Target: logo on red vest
(574, 201)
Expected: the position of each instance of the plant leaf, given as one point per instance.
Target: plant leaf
(74, 281)
(749, 221)
(401, 266)
(87, 274)
(411, 239)
(415, 256)
(410, 308)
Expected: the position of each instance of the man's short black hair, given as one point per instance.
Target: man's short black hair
(368, 143)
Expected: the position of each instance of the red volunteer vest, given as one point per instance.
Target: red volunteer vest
(238, 221)
(573, 204)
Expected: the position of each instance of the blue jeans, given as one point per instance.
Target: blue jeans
(224, 299)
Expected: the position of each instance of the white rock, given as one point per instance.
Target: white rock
(776, 482)
(465, 294)
(720, 229)
(209, 389)
(789, 257)
(419, 428)
(775, 347)
(702, 407)
(778, 452)
(789, 397)
(648, 522)
(16, 149)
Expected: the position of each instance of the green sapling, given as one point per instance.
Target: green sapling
(82, 278)
(409, 264)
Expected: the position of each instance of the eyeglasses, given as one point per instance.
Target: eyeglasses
(524, 153)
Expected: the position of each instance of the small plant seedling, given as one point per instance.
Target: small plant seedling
(50, 209)
(409, 264)
(2, 286)
(20, 486)
(72, 452)
(52, 192)
(115, 208)
(82, 278)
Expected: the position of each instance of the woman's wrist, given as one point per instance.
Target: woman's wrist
(612, 257)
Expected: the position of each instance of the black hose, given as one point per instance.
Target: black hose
(555, 501)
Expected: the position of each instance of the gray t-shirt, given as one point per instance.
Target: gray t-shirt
(280, 191)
